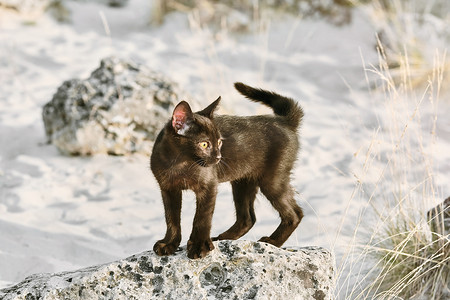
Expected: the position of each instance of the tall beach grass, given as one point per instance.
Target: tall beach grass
(408, 258)
(412, 261)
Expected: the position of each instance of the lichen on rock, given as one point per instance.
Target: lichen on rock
(118, 110)
(234, 270)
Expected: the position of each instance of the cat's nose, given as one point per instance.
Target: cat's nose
(218, 158)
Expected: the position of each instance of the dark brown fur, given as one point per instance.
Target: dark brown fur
(257, 152)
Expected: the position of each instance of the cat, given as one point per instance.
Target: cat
(199, 150)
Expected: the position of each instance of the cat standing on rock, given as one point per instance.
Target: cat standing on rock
(197, 151)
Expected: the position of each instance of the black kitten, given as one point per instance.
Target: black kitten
(197, 151)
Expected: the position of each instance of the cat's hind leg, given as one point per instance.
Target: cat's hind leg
(281, 196)
(244, 194)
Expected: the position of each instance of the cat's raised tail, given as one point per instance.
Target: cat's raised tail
(282, 106)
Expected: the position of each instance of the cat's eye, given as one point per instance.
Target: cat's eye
(204, 145)
(219, 143)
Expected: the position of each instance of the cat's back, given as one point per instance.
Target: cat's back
(263, 127)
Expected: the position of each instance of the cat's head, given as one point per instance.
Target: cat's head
(197, 134)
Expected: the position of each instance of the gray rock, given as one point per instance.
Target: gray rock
(117, 3)
(234, 270)
(439, 218)
(118, 110)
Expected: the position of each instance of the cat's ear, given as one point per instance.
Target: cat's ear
(181, 117)
(209, 111)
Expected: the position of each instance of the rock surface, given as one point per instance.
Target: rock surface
(234, 270)
(439, 218)
(118, 110)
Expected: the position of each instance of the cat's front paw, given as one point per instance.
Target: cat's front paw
(199, 249)
(162, 247)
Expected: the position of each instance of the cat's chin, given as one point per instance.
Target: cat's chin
(204, 164)
(209, 165)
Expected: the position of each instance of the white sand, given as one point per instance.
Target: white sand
(59, 213)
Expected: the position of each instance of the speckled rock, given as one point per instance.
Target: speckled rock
(234, 270)
(118, 110)
(439, 218)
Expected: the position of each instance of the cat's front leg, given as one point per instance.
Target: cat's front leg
(172, 210)
(200, 242)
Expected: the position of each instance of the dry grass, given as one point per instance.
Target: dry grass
(412, 263)
(241, 15)
(401, 257)
(413, 29)
(409, 260)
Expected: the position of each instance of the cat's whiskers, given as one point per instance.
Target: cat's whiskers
(200, 162)
(193, 164)
(222, 160)
(221, 168)
(221, 165)
(190, 166)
